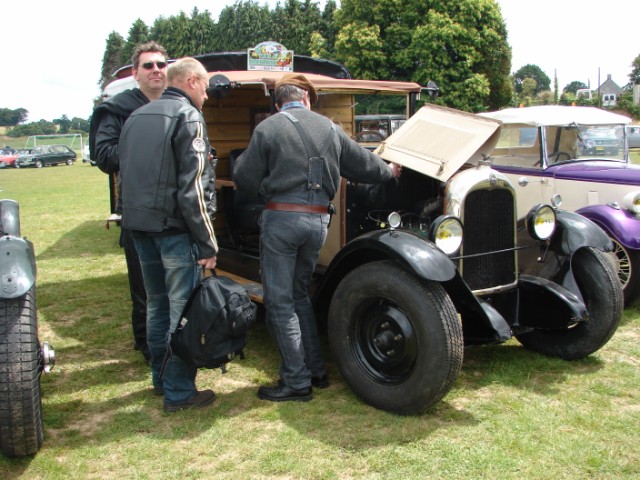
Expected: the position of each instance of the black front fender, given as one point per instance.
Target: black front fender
(17, 266)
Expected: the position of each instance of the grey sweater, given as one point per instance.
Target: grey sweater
(276, 161)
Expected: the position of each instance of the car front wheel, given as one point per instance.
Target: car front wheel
(69, 162)
(396, 339)
(38, 164)
(602, 294)
(20, 402)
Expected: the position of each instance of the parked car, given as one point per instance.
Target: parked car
(43, 155)
(375, 128)
(22, 357)
(576, 157)
(633, 135)
(10, 160)
(416, 269)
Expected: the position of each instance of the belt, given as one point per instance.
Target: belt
(295, 207)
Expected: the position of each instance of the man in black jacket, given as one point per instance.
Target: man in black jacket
(150, 71)
(167, 186)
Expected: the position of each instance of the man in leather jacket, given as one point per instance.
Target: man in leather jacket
(167, 186)
(150, 71)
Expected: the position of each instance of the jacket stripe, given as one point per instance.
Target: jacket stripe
(202, 158)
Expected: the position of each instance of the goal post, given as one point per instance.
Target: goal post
(75, 141)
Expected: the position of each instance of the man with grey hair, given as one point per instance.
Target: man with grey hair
(167, 185)
(294, 160)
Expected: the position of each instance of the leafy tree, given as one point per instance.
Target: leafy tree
(460, 45)
(573, 87)
(138, 33)
(80, 124)
(41, 127)
(534, 72)
(10, 118)
(64, 122)
(294, 23)
(111, 59)
(243, 25)
(634, 76)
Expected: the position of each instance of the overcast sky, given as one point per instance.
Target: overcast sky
(52, 50)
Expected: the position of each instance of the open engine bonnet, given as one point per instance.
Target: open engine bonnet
(437, 141)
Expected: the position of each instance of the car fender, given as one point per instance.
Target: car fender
(618, 223)
(575, 231)
(9, 218)
(427, 262)
(17, 266)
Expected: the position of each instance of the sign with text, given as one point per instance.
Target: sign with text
(270, 56)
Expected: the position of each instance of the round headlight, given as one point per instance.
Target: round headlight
(541, 222)
(631, 202)
(446, 233)
(394, 220)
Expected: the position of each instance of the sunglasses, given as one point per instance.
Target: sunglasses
(149, 65)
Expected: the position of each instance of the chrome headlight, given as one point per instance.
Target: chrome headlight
(446, 233)
(541, 222)
(631, 202)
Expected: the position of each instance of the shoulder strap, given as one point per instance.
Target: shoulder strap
(305, 138)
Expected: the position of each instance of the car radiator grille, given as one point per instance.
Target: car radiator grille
(488, 255)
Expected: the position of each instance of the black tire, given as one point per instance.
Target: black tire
(69, 162)
(602, 293)
(396, 339)
(628, 264)
(38, 164)
(20, 402)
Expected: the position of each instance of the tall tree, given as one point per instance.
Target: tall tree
(634, 76)
(573, 87)
(111, 60)
(295, 22)
(138, 33)
(535, 73)
(10, 118)
(243, 25)
(461, 45)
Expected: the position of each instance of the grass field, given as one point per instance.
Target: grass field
(512, 414)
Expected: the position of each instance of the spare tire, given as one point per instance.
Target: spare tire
(20, 368)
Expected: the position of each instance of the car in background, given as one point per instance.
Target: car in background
(633, 136)
(47, 155)
(576, 158)
(10, 159)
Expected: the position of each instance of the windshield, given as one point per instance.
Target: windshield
(522, 145)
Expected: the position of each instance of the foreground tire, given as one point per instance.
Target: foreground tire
(38, 164)
(602, 293)
(396, 339)
(20, 402)
(628, 263)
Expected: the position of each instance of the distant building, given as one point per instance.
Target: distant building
(609, 92)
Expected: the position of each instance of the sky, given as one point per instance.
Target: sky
(52, 50)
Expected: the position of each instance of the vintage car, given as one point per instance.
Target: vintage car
(418, 268)
(375, 128)
(576, 158)
(633, 134)
(43, 155)
(22, 357)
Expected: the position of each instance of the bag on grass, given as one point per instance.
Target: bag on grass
(214, 324)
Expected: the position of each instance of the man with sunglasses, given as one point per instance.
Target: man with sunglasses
(167, 186)
(150, 71)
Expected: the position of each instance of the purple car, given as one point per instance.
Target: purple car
(576, 158)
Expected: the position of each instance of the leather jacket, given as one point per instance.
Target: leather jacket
(167, 182)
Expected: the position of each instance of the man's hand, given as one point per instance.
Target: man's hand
(396, 169)
(208, 263)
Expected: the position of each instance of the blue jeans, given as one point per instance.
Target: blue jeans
(290, 243)
(170, 274)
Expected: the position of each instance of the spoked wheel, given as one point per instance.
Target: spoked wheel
(602, 294)
(397, 339)
(20, 368)
(628, 264)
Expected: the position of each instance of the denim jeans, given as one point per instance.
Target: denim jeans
(290, 243)
(170, 274)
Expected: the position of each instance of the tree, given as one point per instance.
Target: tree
(10, 118)
(64, 122)
(573, 87)
(534, 72)
(634, 76)
(243, 25)
(111, 60)
(460, 45)
(138, 33)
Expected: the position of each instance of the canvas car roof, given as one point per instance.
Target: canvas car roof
(267, 79)
(556, 115)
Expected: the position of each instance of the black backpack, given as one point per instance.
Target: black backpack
(214, 324)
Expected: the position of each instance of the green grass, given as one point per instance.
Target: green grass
(512, 414)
